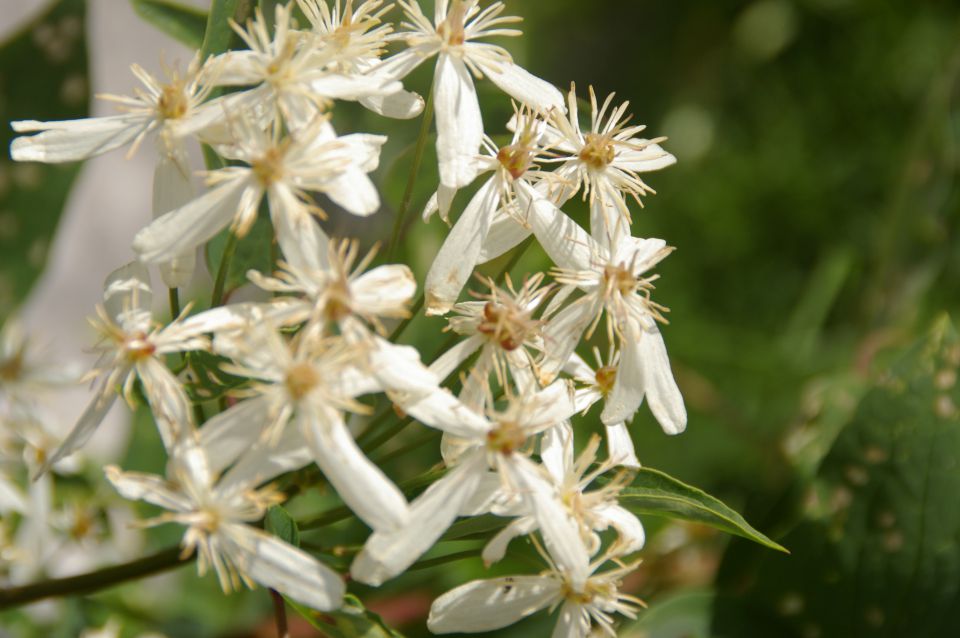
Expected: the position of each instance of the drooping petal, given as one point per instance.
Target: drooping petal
(562, 334)
(362, 485)
(496, 547)
(302, 241)
(173, 188)
(459, 254)
(151, 488)
(85, 427)
(629, 385)
(272, 563)
(522, 85)
(168, 400)
(74, 140)
(227, 435)
(556, 450)
(663, 395)
(487, 605)
(620, 445)
(389, 552)
(631, 536)
(440, 409)
(459, 123)
(189, 226)
(402, 105)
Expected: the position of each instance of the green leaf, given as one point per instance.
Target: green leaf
(254, 251)
(279, 523)
(43, 76)
(183, 23)
(352, 620)
(658, 494)
(219, 35)
(875, 553)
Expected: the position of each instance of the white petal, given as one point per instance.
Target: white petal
(620, 446)
(235, 430)
(264, 461)
(486, 605)
(574, 622)
(398, 368)
(85, 427)
(663, 395)
(137, 486)
(629, 385)
(522, 85)
(354, 192)
(643, 254)
(73, 140)
(302, 241)
(450, 360)
(458, 256)
(459, 123)
(503, 235)
(173, 188)
(549, 406)
(189, 226)
(362, 485)
(496, 547)
(556, 450)
(649, 158)
(628, 526)
(128, 296)
(11, 498)
(566, 243)
(384, 290)
(402, 105)
(398, 66)
(387, 553)
(352, 87)
(562, 334)
(168, 401)
(277, 565)
(441, 410)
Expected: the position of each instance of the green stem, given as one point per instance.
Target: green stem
(174, 297)
(93, 581)
(228, 252)
(414, 174)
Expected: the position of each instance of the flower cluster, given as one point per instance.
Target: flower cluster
(316, 352)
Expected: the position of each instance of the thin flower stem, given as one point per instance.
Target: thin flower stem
(93, 581)
(414, 174)
(218, 287)
(280, 612)
(174, 297)
(429, 436)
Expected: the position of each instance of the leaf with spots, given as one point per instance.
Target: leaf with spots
(43, 76)
(875, 553)
(184, 23)
(352, 620)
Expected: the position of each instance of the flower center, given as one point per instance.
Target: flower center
(451, 30)
(506, 326)
(515, 159)
(269, 168)
(598, 151)
(11, 369)
(606, 377)
(337, 303)
(301, 379)
(620, 279)
(172, 103)
(138, 347)
(506, 438)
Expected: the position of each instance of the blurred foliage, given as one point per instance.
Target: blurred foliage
(43, 76)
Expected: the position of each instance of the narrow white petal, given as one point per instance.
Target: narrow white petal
(503, 235)
(85, 427)
(137, 486)
(362, 485)
(173, 188)
(523, 86)
(550, 406)
(235, 430)
(459, 123)
(663, 395)
(189, 226)
(459, 254)
(264, 461)
(399, 369)
(620, 445)
(398, 66)
(556, 450)
(562, 334)
(487, 605)
(11, 498)
(566, 243)
(302, 241)
(168, 400)
(387, 553)
(450, 360)
(73, 140)
(441, 410)
(277, 565)
(128, 296)
(496, 547)
(629, 385)
(353, 191)
(644, 254)
(352, 87)
(649, 158)
(574, 622)
(384, 290)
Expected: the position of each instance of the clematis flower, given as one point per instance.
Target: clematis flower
(218, 520)
(488, 605)
(282, 169)
(605, 161)
(496, 444)
(615, 285)
(452, 37)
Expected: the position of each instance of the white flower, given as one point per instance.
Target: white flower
(284, 170)
(351, 42)
(488, 605)
(218, 522)
(132, 346)
(25, 372)
(468, 239)
(174, 111)
(606, 161)
(614, 284)
(452, 38)
(498, 445)
(311, 382)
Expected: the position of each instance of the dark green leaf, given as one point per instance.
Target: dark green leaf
(254, 251)
(352, 620)
(43, 76)
(279, 523)
(875, 554)
(659, 494)
(181, 22)
(219, 35)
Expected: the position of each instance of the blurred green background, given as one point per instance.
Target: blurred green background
(814, 210)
